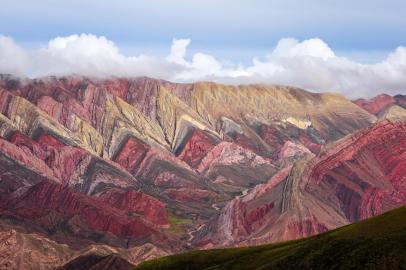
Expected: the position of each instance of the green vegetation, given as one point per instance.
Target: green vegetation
(178, 223)
(377, 243)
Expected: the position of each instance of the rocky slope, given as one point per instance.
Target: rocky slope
(376, 243)
(378, 104)
(357, 177)
(127, 163)
(22, 250)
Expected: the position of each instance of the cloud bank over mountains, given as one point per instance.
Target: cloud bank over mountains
(309, 64)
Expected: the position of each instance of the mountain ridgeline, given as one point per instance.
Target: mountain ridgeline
(122, 170)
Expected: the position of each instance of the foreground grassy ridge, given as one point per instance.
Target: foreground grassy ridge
(376, 243)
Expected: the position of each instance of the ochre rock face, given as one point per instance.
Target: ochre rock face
(145, 167)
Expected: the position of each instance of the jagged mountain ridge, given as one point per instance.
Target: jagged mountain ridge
(132, 162)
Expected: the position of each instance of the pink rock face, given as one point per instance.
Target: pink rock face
(254, 218)
(248, 168)
(359, 177)
(370, 171)
(277, 138)
(63, 160)
(131, 154)
(227, 153)
(197, 147)
(24, 157)
(307, 142)
(290, 151)
(304, 227)
(46, 198)
(137, 203)
(377, 104)
(273, 137)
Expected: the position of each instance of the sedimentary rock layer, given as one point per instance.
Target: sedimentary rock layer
(129, 163)
(360, 176)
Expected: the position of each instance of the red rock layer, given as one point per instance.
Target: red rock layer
(356, 178)
(137, 203)
(368, 173)
(378, 104)
(273, 137)
(197, 147)
(375, 104)
(278, 136)
(48, 200)
(63, 160)
(131, 154)
(53, 207)
(249, 144)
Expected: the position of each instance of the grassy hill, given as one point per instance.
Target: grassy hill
(376, 243)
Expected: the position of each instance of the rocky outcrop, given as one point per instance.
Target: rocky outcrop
(360, 176)
(375, 104)
(232, 168)
(264, 104)
(393, 113)
(196, 147)
(378, 104)
(368, 170)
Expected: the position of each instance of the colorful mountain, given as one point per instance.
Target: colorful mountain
(378, 104)
(140, 168)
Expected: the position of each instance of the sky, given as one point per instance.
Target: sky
(353, 47)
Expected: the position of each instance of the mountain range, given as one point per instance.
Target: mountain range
(113, 172)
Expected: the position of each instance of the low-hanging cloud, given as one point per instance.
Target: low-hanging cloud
(309, 64)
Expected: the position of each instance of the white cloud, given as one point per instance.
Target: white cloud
(178, 51)
(290, 47)
(93, 56)
(309, 64)
(13, 59)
